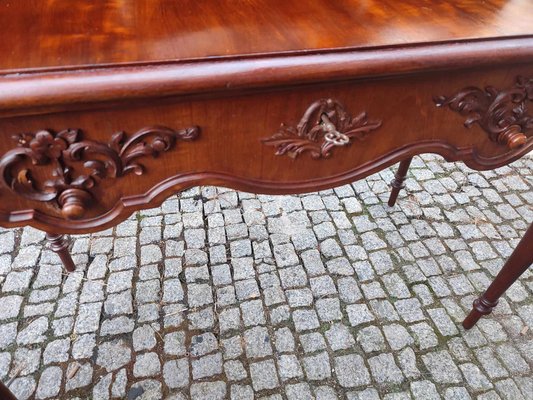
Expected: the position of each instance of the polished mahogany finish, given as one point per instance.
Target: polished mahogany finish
(51, 33)
(110, 107)
(403, 120)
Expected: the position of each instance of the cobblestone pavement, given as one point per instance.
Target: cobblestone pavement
(332, 295)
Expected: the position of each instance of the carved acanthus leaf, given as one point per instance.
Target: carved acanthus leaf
(68, 183)
(503, 114)
(324, 125)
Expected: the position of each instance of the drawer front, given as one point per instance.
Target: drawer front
(86, 170)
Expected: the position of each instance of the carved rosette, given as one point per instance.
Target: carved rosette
(503, 114)
(325, 125)
(63, 169)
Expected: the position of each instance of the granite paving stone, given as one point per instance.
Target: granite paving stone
(410, 310)
(81, 376)
(56, 351)
(442, 367)
(312, 342)
(17, 281)
(208, 390)
(88, 317)
(384, 369)
(408, 363)
(284, 340)
(26, 360)
(234, 370)
(219, 294)
(305, 320)
(512, 359)
(119, 303)
(490, 363)
(113, 355)
(117, 326)
(101, 388)
(424, 336)
(144, 338)
(289, 367)
(34, 332)
(351, 371)
(11, 307)
(397, 336)
(27, 257)
(49, 383)
(339, 337)
(176, 373)
(5, 362)
(203, 344)
(475, 378)
(424, 390)
(359, 314)
(146, 364)
(264, 375)
(173, 292)
(299, 297)
(257, 342)
(317, 367)
(118, 389)
(83, 346)
(39, 296)
(8, 334)
(371, 339)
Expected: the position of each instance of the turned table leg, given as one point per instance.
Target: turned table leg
(397, 183)
(60, 244)
(515, 266)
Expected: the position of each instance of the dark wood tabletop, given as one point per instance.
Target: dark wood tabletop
(49, 33)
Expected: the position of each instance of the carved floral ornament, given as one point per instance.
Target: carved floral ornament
(503, 114)
(325, 125)
(77, 165)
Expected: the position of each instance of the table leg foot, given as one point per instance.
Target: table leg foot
(480, 307)
(397, 183)
(59, 244)
(515, 266)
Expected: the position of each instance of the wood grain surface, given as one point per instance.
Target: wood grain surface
(232, 147)
(51, 33)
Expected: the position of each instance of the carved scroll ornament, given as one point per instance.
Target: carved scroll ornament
(325, 125)
(63, 168)
(503, 114)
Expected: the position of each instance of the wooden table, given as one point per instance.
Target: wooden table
(110, 107)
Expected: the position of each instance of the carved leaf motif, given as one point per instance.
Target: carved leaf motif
(310, 135)
(69, 135)
(150, 142)
(503, 114)
(116, 141)
(65, 150)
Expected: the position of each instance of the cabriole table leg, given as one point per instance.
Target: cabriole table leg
(60, 244)
(397, 183)
(516, 265)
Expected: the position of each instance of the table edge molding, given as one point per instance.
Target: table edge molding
(37, 92)
(161, 191)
